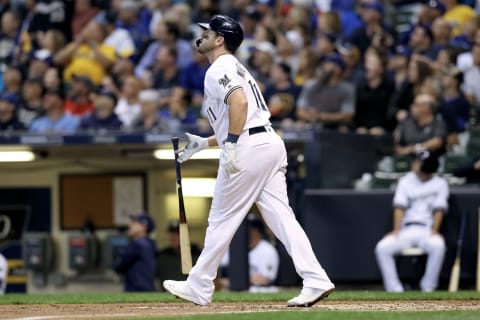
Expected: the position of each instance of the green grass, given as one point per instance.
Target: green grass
(340, 315)
(229, 297)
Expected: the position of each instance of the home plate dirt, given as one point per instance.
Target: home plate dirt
(168, 310)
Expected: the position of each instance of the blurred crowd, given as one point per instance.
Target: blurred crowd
(406, 68)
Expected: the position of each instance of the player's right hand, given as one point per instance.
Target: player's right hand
(195, 144)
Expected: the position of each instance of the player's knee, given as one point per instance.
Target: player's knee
(437, 243)
(383, 247)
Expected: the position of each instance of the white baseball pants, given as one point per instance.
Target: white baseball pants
(419, 236)
(262, 159)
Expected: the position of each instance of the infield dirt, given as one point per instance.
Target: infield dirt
(168, 310)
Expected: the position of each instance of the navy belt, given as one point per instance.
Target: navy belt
(413, 223)
(256, 130)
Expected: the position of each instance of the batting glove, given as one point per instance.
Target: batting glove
(195, 144)
(228, 158)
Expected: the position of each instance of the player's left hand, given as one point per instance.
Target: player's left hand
(228, 158)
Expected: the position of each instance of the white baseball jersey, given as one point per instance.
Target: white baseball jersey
(421, 199)
(262, 259)
(3, 273)
(224, 76)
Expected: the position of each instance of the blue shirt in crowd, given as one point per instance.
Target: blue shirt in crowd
(65, 124)
(138, 265)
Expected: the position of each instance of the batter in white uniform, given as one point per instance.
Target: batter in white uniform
(3, 274)
(420, 201)
(252, 171)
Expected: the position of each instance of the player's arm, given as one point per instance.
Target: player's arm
(437, 221)
(237, 112)
(398, 214)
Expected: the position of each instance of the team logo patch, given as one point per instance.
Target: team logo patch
(224, 81)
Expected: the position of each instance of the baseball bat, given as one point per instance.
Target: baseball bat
(455, 273)
(185, 247)
(478, 252)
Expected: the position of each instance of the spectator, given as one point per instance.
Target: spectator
(281, 95)
(418, 71)
(52, 79)
(119, 39)
(181, 13)
(148, 119)
(373, 95)
(431, 11)
(78, 102)
(455, 108)
(398, 66)
(31, 105)
(103, 117)
(263, 259)
(442, 33)
(55, 120)
(40, 62)
(457, 14)
(87, 55)
(250, 18)
(326, 44)
(421, 42)
(464, 41)
(423, 129)
(3, 274)
(328, 99)
(158, 8)
(189, 92)
(471, 86)
(261, 62)
(167, 34)
(469, 170)
(128, 106)
(53, 41)
(354, 72)
(307, 65)
(373, 29)
(420, 202)
(165, 74)
(132, 17)
(138, 262)
(9, 37)
(168, 263)
(84, 11)
(123, 68)
(465, 59)
(12, 81)
(8, 118)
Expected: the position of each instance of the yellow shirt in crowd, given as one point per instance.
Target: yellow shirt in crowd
(84, 63)
(458, 16)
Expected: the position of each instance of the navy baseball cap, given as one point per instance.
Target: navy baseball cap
(145, 219)
(335, 58)
(434, 4)
(430, 162)
(377, 6)
(9, 97)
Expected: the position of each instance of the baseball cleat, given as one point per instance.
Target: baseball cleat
(308, 297)
(180, 289)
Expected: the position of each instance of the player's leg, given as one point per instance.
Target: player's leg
(385, 252)
(435, 247)
(233, 198)
(278, 215)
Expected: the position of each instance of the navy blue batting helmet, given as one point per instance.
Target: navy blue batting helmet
(228, 28)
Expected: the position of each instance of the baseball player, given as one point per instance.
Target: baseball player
(420, 201)
(3, 273)
(251, 170)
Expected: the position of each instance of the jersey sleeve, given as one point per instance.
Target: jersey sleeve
(269, 264)
(400, 199)
(440, 203)
(223, 82)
